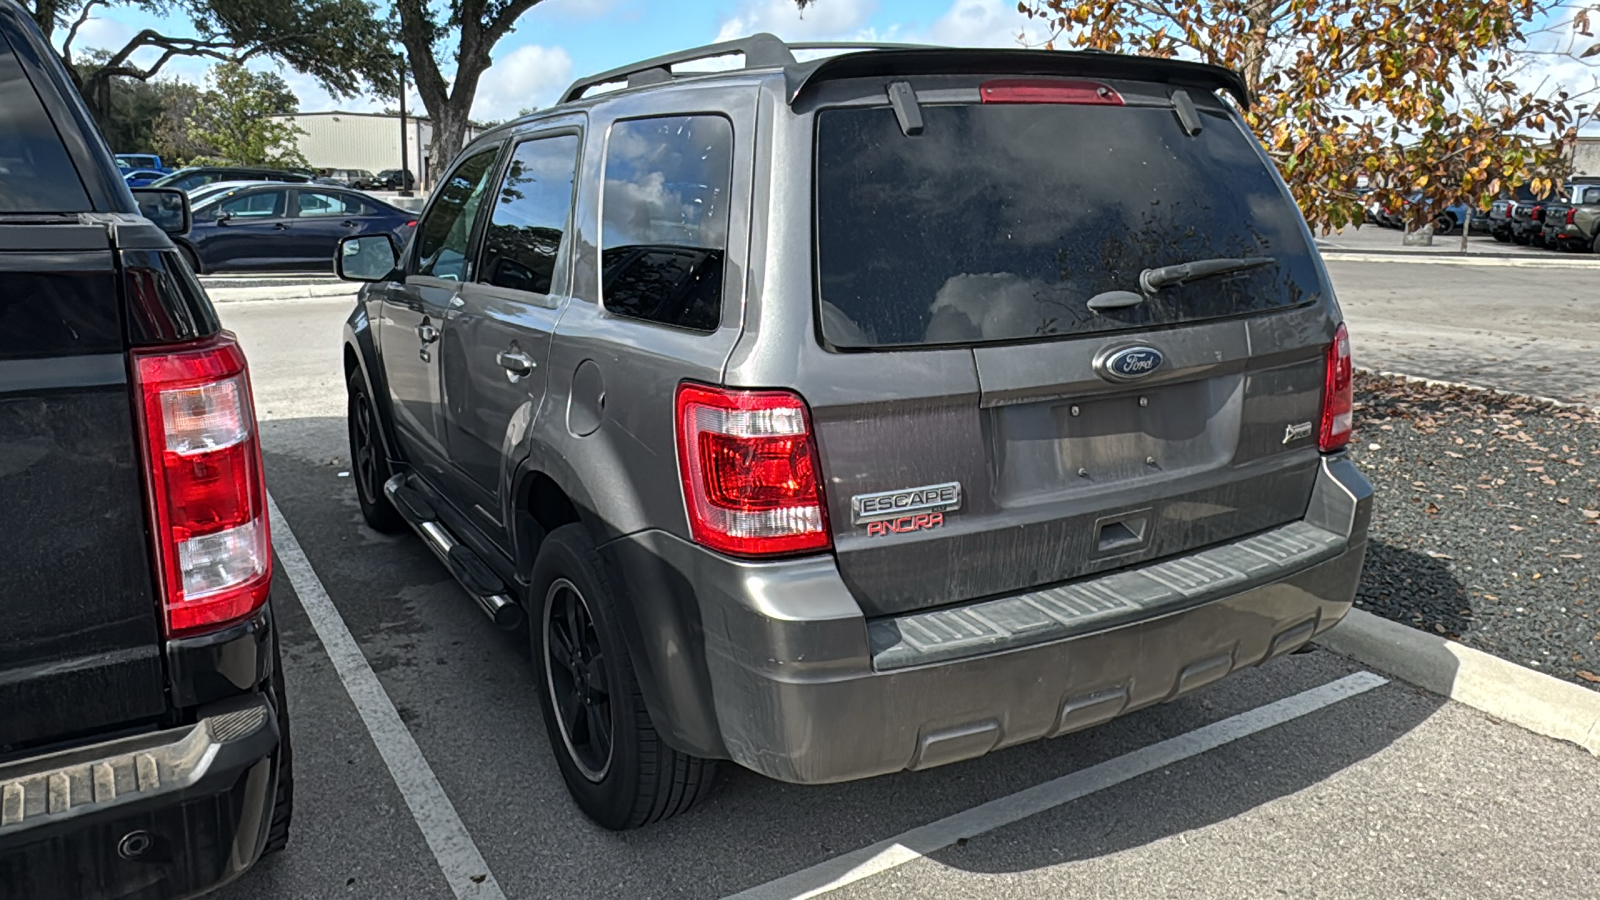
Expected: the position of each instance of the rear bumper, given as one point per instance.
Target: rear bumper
(162, 815)
(798, 685)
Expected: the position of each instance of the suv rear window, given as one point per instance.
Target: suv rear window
(36, 174)
(999, 221)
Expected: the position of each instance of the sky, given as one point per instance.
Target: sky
(559, 40)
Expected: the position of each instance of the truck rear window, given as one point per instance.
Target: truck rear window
(36, 175)
(1000, 221)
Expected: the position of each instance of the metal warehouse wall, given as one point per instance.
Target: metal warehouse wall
(341, 140)
(1586, 156)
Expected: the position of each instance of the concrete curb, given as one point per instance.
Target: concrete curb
(284, 292)
(1478, 388)
(1471, 259)
(1533, 700)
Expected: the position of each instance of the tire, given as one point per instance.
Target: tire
(1521, 240)
(1444, 224)
(633, 778)
(283, 801)
(191, 258)
(369, 466)
(1502, 237)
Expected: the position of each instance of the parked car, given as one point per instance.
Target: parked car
(360, 179)
(394, 180)
(1570, 224)
(195, 176)
(869, 433)
(148, 161)
(1503, 213)
(144, 742)
(141, 177)
(265, 226)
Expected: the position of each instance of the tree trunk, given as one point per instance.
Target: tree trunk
(449, 134)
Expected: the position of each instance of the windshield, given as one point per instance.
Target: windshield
(1000, 221)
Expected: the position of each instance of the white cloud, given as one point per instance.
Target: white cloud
(831, 20)
(99, 33)
(987, 23)
(531, 75)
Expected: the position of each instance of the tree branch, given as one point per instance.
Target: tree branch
(72, 33)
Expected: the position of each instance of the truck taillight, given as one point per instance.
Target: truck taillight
(1338, 394)
(1570, 214)
(207, 491)
(751, 481)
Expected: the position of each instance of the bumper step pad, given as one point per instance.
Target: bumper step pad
(1005, 623)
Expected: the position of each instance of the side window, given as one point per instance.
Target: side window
(260, 205)
(310, 204)
(530, 215)
(664, 221)
(443, 233)
(1591, 195)
(36, 173)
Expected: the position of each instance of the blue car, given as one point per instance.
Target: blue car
(140, 177)
(284, 227)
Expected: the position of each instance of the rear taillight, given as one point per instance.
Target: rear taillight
(1338, 394)
(1048, 90)
(1570, 214)
(751, 481)
(207, 491)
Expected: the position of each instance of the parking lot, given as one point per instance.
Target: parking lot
(423, 770)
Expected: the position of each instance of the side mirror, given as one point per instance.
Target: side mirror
(167, 208)
(370, 257)
(223, 217)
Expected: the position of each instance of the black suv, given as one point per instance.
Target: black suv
(144, 743)
(846, 416)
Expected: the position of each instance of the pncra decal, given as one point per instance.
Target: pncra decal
(905, 524)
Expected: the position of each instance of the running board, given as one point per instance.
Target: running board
(474, 575)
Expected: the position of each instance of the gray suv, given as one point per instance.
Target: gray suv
(866, 413)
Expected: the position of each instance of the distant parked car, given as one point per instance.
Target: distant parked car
(195, 176)
(360, 179)
(284, 227)
(150, 161)
(1503, 213)
(141, 177)
(1572, 223)
(393, 180)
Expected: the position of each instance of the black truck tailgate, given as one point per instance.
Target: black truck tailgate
(80, 634)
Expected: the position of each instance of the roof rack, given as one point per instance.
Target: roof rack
(760, 51)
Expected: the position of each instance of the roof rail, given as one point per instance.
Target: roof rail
(760, 51)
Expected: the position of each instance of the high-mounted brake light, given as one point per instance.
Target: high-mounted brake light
(751, 481)
(205, 481)
(1048, 90)
(1338, 394)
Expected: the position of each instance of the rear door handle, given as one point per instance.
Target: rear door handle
(427, 333)
(280, 226)
(515, 361)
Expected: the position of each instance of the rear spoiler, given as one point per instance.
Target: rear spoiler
(943, 61)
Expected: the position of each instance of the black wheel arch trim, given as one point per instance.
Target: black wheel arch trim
(358, 343)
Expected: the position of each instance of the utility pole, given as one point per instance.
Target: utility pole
(405, 156)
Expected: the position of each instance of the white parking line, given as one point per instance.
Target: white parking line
(458, 857)
(919, 842)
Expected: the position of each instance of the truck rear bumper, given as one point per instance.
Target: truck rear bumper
(161, 815)
(804, 688)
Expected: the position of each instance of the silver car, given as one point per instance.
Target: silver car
(863, 414)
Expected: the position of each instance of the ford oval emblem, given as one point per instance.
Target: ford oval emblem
(1131, 363)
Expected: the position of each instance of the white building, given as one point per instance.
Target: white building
(371, 141)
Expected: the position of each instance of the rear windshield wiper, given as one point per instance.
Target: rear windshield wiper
(1153, 280)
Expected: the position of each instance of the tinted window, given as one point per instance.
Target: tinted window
(664, 226)
(530, 215)
(1001, 221)
(443, 233)
(1591, 195)
(36, 175)
(185, 181)
(309, 205)
(259, 205)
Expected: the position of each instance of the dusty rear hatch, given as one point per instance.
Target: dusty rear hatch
(1052, 440)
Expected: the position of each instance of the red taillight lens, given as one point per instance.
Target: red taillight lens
(751, 481)
(1048, 90)
(1338, 394)
(1570, 214)
(412, 223)
(207, 490)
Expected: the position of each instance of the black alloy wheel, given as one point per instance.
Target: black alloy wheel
(577, 672)
(369, 466)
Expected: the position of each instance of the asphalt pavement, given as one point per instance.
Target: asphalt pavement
(1307, 777)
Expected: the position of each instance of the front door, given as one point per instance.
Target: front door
(496, 346)
(251, 231)
(413, 319)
